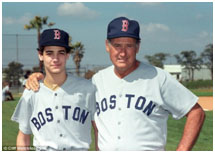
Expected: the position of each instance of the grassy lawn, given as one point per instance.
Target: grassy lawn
(175, 128)
(205, 140)
(203, 92)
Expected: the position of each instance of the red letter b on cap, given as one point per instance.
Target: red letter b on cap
(125, 25)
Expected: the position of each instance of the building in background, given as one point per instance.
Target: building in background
(181, 74)
(175, 71)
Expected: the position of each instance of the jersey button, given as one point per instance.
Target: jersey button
(55, 94)
(64, 149)
(119, 137)
(56, 107)
(119, 109)
(58, 121)
(119, 123)
(61, 135)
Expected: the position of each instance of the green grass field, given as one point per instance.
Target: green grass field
(203, 92)
(175, 129)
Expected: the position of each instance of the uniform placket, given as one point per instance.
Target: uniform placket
(59, 118)
(120, 112)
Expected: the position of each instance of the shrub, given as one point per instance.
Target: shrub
(198, 84)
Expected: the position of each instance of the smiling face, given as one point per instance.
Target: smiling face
(122, 53)
(54, 59)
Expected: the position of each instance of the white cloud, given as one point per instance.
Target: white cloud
(154, 27)
(22, 20)
(76, 10)
(8, 20)
(203, 34)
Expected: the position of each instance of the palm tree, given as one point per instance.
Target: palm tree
(37, 23)
(157, 59)
(207, 58)
(77, 52)
(190, 60)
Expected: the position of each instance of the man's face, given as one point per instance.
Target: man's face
(123, 52)
(54, 59)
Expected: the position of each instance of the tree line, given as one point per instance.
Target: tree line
(188, 59)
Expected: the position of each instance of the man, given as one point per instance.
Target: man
(6, 94)
(59, 115)
(134, 99)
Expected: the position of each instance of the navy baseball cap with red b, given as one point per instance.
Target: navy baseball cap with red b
(123, 27)
(54, 37)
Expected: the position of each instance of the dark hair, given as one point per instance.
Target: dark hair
(28, 72)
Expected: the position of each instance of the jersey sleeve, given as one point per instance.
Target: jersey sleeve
(92, 103)
(178, 100)
(23, 112)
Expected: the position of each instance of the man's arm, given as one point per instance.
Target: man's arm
(23, 141)
(193, 125)
(96, 135)
(33, 81)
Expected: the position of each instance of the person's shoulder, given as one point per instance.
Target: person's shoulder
(105, 71)
(79, 81)
(147, 66)
(154, 72)
(74, 78)
(27, 95)
(27, 92)
(31, 93)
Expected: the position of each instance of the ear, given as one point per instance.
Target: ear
(107, 45)
(40, 55)
(138, 47)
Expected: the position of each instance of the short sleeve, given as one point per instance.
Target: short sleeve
(178, 100)
(23, 112)
(92, 103)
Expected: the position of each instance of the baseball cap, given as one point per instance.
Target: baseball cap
(54, 37)
(123, 27)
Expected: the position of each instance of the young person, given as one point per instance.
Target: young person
(60, 114)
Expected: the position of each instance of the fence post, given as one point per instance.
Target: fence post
(17, 56)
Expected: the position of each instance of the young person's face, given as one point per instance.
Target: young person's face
(123, 52)
(54, 59)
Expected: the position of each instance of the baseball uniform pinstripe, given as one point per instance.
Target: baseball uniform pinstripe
(132, 112)
(61, 119)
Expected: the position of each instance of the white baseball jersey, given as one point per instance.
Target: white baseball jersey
(132, 113)
(4, 91)
(61, 119)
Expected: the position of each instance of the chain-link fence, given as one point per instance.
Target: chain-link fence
(19, 48)
(22, 48)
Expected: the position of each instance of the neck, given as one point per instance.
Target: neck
(55, 79)
(123, 73)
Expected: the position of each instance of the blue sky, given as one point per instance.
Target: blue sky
(165, 27)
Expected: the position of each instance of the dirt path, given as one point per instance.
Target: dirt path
(206, 103)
